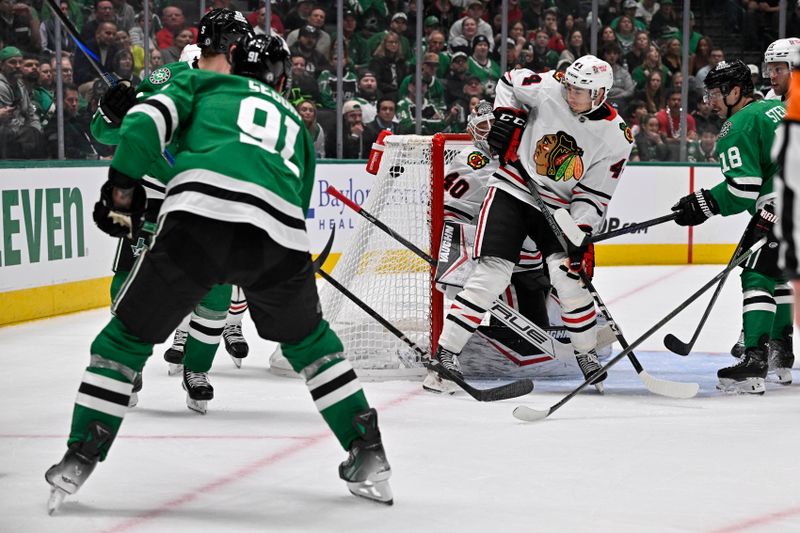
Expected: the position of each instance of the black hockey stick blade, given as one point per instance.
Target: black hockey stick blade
(326, 250)
(514, 389)
(675, 345)
(671, 389)
(529, 414)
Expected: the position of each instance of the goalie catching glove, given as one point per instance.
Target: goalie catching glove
(506, 133)
(116, 102)
(695, 208)
(121, 206)
(581, 257)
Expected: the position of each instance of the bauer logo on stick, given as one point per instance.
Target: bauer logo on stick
(558, 157)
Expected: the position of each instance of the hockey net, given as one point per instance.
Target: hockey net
(407, 196)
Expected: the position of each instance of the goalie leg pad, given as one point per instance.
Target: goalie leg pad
(490, 278)
(577, 306)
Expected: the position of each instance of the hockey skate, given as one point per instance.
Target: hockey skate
(137, 386)
(76, 466)
(738, 349)
(589, 365)
(780, 359)
(174, 355)
(366, 470)
(235, 343)
(748, 375)
(198, 390)
(433, 382)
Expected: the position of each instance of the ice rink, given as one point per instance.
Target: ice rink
(263, 460)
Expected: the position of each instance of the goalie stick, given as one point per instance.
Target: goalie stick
(503, 392)
(673, 343)
(672, 389)
(506, 314)
(110, 79)
(529, 414)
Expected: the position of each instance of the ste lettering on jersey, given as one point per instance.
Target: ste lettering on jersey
(575, 161)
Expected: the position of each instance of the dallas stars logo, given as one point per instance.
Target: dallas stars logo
(160, 76)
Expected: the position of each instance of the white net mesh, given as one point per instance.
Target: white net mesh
(382, 272)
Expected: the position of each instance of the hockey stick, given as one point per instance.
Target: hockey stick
(671, 342)
(73, 31)
(673, 389)
(632, 228)
(529, 414)
(506, 314)
(110, 79)
(503, 392)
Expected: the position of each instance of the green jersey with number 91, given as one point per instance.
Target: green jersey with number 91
(244, 154)
(743, 148)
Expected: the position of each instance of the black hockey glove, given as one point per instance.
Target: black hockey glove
(695, 208)
(116, 102)
(582, 257)
(763, 221)
(506, 132)
(121, 206)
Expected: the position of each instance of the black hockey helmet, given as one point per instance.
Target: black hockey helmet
(261, 57)
(729, 74)
(220, 28)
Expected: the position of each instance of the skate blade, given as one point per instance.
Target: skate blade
(236, 361)
(133, 400)
(600, 387)
(200, 406)
(175, 369)
(781, 376)
(56, 499)
(433, 383)
(746, 386)
(376, 491)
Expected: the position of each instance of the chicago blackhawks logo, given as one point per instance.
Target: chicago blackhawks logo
(559, 76)
(159, 76)
(558, 157)
(626, 131)
(477, 160)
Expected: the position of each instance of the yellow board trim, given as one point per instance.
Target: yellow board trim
(42, 302)
(662, 254)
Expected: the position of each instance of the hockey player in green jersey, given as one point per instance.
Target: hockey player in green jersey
(743, 148)
(234, 212)
(201, 331)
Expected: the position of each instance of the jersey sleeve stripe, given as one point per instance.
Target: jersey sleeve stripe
(742, 194)
(455, 211)
(743, 186)
(746, 180)
(157, 118)
(593, 191)
(169, 108)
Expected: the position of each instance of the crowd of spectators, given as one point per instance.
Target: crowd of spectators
(460, 63)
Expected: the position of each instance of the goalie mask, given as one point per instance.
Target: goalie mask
(220, 28)
(592, 73)
(479, 124)
(261, 57)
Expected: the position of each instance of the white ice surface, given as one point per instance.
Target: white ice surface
(262, 459)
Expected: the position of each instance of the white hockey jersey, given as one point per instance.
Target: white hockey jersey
(466, 181)
(575, 161)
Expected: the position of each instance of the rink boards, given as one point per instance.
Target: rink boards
(53, 260)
